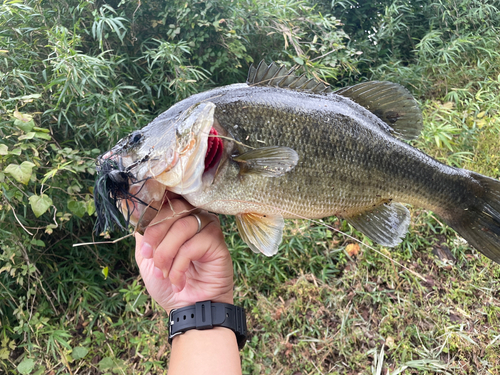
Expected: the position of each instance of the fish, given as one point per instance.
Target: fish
(282, 146)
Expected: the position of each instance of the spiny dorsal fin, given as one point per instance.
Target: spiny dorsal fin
(277, 76)
(390, 102)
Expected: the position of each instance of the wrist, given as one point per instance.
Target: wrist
(213, 351)
(208, 335)
(224, 298)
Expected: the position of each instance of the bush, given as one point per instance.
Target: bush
(75, 76)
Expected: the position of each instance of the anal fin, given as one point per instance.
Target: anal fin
(262, 233)
(386, 224)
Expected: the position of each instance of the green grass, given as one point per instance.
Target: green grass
(312, 308)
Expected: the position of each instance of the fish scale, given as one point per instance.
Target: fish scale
(293, 148)
(348, 160)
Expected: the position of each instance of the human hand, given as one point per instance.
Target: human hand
(180, 266)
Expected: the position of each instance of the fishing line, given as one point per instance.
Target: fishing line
(232, 140)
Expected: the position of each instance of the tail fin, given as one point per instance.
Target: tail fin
(480, 223)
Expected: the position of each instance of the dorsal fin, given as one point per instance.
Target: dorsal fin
(390, 102)
(277, 76)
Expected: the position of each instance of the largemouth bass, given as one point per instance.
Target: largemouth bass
(281, 146)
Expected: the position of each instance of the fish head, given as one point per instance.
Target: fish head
(168, 154)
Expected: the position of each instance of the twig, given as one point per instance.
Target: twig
(103, 242)
(13, 184)
(21, 224)
(326, 54)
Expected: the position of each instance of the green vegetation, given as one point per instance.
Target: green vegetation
(75, 76)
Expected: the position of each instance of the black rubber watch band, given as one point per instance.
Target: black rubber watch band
(206, 315)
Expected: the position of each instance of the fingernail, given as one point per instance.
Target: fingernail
(158, 273)
(165, 274)
(147, 250)
(175, 288)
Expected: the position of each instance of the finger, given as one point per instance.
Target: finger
(146, 266)
(138, 255)
(180, 232)
(198, 248)
(167, 216)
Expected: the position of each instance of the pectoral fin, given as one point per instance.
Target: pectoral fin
(386, 224)
(272, 161)
(262, 233)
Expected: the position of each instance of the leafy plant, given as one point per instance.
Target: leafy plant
(75, 76)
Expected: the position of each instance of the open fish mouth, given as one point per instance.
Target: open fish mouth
(172, 155)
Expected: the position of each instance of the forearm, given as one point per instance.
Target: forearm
(205, 352)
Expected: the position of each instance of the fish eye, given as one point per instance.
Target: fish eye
(135, 138)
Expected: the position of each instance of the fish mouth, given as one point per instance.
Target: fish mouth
(131, 189)
(117, 196)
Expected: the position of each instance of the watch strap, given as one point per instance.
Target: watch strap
(206, 315)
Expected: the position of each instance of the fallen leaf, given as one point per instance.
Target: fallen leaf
(352, 249)
(389, 341)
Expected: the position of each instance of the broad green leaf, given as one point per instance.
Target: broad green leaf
(298, 60)
(41, 371)
(25, 126)
(26, 366)
(43, 135)
(90, 207)
(105, 272)
(29, 135)
(4, 353)
(40, 204)
(16, 151)
(106, 363)
(37, 242)
(43, 130)
(79, 352)
(4, 149)
(77, 207)
(22, 173)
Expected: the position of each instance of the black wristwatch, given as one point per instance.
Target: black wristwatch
(206, 315)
